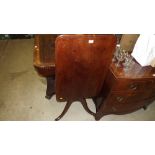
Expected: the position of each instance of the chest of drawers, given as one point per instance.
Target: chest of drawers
(126, 91)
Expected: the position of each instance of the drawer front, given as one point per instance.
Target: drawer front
(134, 85)
(124, 102)
(129, 97)
(128, 107)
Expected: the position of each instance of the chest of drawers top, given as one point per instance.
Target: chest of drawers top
(136, 71)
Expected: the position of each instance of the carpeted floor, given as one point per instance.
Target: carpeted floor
(22, 91)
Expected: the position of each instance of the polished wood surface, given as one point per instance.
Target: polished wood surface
(125, 92)
(44, 54)
(136, 71)
(81, 64)
(122, 92)
(44, 60)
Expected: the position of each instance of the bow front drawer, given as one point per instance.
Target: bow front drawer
(134, 85)
(123, 101)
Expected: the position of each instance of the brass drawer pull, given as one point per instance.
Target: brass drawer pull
(119, 99)
(133, 86)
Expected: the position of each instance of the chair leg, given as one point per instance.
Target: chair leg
(68, 104)
(50, 91)
(84, 104)
(145, 107)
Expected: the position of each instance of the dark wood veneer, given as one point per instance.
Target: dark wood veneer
(125, 92)
(121, 93)
(44, 54)
(81, 66)
(82, 62)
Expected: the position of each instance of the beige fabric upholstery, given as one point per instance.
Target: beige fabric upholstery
(128, 41)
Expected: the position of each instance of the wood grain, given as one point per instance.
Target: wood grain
(81, 64)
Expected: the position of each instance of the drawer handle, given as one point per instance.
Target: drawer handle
(119, 99)
(133, 86)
